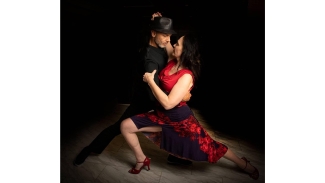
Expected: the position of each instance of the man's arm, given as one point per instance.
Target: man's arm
(150, 66)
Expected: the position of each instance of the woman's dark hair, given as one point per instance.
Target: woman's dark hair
(190, 57)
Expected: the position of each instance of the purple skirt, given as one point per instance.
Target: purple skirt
(182, 135)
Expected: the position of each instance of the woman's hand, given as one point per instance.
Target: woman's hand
(147, 76)
(158, 14)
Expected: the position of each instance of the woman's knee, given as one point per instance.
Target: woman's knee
(127, 125)
(123, 125)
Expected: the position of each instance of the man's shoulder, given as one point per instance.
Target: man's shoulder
(155, 54)
(161, 51)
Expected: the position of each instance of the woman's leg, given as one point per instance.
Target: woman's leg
(240, 162)
(128, 130)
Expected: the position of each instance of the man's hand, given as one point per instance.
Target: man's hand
(187, 97)
(157, 14)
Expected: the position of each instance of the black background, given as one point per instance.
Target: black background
(99, 41)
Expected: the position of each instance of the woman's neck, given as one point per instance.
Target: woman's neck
(177, 62)
(177, 65)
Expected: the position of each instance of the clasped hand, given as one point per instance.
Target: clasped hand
(147, 76)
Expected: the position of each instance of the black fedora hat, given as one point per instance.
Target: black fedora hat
(162, 24)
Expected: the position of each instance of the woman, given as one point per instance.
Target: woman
(176, 129)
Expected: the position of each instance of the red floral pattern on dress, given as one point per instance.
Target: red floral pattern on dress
(155, 137)
(190, 128)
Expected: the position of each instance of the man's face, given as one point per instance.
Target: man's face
(161, 39)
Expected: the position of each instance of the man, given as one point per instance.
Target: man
(153, 57)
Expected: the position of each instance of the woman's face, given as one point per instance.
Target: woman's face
(178, 47)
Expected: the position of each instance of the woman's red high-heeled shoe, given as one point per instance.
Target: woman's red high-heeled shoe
(253, 175)
(146, 162)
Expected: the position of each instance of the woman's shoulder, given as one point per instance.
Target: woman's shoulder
(186, 71)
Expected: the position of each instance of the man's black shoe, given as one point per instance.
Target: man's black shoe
(178, 161)
(82, 156)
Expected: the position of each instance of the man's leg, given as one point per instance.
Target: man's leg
(105, 137)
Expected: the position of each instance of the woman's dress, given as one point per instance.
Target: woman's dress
(182, 135)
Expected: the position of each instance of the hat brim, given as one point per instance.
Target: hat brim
(166, 31)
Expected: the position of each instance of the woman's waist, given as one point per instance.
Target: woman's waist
(181, 104)
(179, 112)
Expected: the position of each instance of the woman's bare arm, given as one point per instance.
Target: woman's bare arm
(177, 93)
